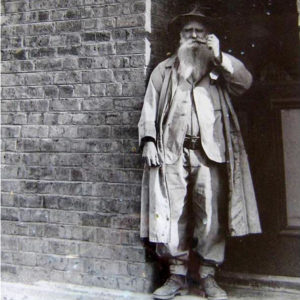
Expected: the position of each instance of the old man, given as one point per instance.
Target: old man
(197, 187)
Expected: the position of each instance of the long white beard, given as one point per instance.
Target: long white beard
(194, 60)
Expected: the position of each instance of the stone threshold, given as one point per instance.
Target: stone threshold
(270, 282)
(43, 290)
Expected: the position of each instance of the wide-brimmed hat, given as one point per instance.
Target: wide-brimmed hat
(197, 14)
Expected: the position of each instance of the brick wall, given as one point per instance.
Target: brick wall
(73, 79)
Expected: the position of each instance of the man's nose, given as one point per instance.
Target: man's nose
(194, 34)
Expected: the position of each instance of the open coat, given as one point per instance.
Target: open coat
(155, 209)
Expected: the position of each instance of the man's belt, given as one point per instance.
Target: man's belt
(192, 142)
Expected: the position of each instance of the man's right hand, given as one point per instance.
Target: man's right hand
(150, 154)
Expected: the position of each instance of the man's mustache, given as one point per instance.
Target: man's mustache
(193, 41)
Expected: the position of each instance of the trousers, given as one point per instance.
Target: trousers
(197, 190)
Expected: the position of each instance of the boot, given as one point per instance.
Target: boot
(212, 290)
(175, 285)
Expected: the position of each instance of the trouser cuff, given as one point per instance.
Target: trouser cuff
(205, 271)
(177, 267)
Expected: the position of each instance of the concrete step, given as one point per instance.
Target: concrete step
(43, 290)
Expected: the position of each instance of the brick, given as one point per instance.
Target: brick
(125, 132)
(63, 248)
(51, 92)
(54, 262)
(114, 89)
(129, 34)
(9, 243)
(126, 222)
(67, 77)
(38, 79)
(42, 52)
(10, 105)
(8, 145)
(10, 67)
(108, 189)
(48, 64)
(6, 257)
(98, 89)
(72, 159)
(9, 214)
(34, 273)
(22, 92)
(35, 118)
(11, 79)
(43, 16)
(82, 90)
(97, 76)
(94, 251)
(36, 229)
(89, 23)
(132, 47)
(129, 75)
(63, 131)
(10, 131)
(73, 39)
(131, 117)
(70, 63)
(128, 104)
(113, 118)
(26, 66)
(57, 118)
(27, 259)
(70, 50)
(10, 171)
(30, 201)
(93, 132)
(33, 215)
(68, 26)
(130, 21)
(8, 269)
(11, 158)
(119, 62)
(36, 41)
(97, 146)
(19, 54)
(14, 228)
(33, 244)
(65, 104)
(133, 89)
(54, 145)
(93, 63)
(30, 131)
(62, 174)
(102, 36)
(88, 119)
(41, 28)
(14, 118)
(106, 23)
(34, 105)
(28, 145)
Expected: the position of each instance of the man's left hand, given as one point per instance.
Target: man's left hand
(214, 45)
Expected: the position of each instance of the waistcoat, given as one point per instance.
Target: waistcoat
(195, 110)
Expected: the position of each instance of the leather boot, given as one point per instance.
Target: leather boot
(212, 290)
(174, 285)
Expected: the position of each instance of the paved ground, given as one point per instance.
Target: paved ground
(56, 291)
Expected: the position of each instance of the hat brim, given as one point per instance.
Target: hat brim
(178, 22)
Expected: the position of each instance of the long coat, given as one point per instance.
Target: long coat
(155, 208)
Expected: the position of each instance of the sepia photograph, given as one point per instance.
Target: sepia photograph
(150, 149)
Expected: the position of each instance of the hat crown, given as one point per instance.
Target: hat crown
(199, 10)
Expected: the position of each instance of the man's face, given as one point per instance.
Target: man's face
(193, 33)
